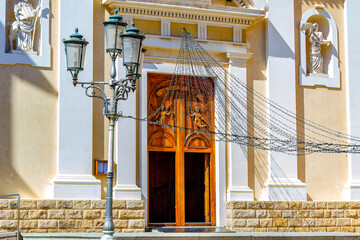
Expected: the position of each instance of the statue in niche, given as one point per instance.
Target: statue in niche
(162, 113)
(316, 39)
(24, 28)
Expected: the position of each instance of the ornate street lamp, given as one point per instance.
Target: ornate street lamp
(117, 42)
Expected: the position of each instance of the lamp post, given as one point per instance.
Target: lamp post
(118, 41)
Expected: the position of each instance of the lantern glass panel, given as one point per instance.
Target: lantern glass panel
(131, 50)
(112, 36)
(141, 63)
(75, 56)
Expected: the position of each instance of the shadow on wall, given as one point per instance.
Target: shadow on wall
(22, 134)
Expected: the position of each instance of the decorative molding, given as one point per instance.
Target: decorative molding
(43, 58)
(165, 27)
(202, 31)
(237, 34)
(238, 58)
(224, 16)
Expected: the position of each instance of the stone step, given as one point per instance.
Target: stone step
(197, 236)
(9, 236)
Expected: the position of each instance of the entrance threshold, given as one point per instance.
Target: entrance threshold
(189, 229)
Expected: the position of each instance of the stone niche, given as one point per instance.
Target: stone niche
(39, 52)
(319, 63)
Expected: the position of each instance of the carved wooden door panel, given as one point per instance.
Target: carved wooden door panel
(193, 200)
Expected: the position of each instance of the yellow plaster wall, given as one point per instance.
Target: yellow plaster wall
(28, 122)
(223, 3)
(256, 79)
(325, 174)
(148, 26)
(220, 33)
(177, 28)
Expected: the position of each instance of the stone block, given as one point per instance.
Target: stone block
(239, 223)
(342, 205)
(73, 214)
(274, 213)
(244, 213)
(289, 213)
(128, 214)
(137, 223)
(8, 224)
(87, 224)
(135, 204)
(357, 229)
(261, 213)
(229, 213)
(302, 229)
(337, 213)
(286, 229)
(81, 204)
(24, 214)
(347, 229)
(253, 222)
(91, 214)
(37, 214)
(317, 229)
(7, 214)
(56, 214)
(244, 229)
(46, 204)
(98, 204)
(119, 204)
(295, 205)
(47, 224)
(321, 205)
(238, 205)
(308, 205)
(303, 213)
(333, 229)
(350, 213)
(325, 222)
(280, 222)
(38, 231)
(316, 213)
(308, 222)
(67, 204)
(253, 205)
(327, 213)
(266, 205)
(343, 222)
(99, 223)
(331, 205)
(355, 222)
(295, 222)
(28, 204)
(4, 203)
(281, 205)
(272, 229)
(13, 203)
(354, 205)
(66, 224)
(266, 222)
(260, 229)
(132, 230)
(121, 223)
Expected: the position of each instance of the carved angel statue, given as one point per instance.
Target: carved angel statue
(316, 39)
(23, 29)
(199, 120)
(162, 113)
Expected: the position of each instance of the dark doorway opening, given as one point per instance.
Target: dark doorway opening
(162, 187)
(197, 188)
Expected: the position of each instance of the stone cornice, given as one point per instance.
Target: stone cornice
(215, 15)
(238, 58)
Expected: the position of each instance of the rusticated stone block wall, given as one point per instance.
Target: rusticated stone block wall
(254, 216)
(70, 215)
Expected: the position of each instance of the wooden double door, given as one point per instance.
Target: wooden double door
(181, 168)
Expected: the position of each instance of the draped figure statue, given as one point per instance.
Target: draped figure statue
(316, 39)
(24, 26)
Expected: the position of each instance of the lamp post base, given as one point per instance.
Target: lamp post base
(108, 235)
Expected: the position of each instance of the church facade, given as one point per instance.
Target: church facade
(300, 54)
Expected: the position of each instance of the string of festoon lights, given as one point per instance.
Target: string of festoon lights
(220, 106)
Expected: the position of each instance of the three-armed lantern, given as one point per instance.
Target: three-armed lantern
(128, 44)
